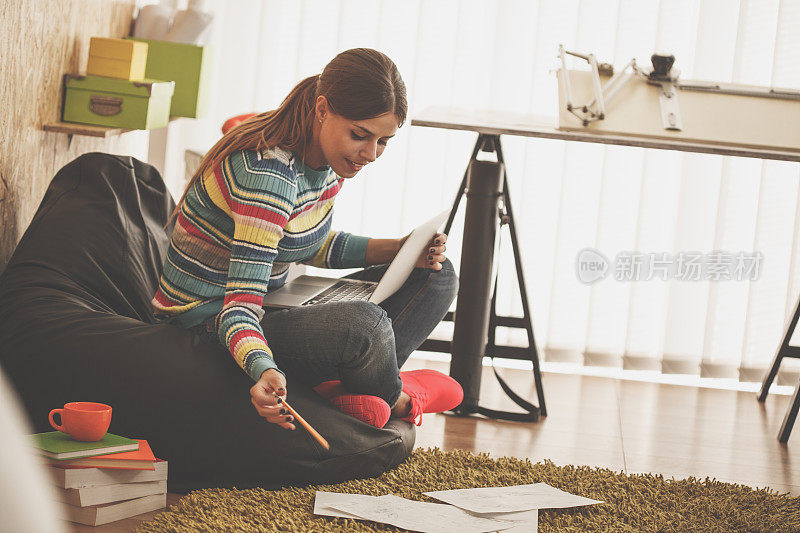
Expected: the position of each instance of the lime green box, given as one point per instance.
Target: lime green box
(189, 66)
(134, 105)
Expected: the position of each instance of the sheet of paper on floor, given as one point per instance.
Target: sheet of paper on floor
(416, 516)
(524, 521)
(324, 500)
(510, 499)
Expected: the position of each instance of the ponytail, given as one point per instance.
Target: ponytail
(289, 126)
(359, 84)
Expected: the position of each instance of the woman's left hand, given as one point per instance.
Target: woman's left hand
(433, 255)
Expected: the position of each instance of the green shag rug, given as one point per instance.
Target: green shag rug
(634, 503)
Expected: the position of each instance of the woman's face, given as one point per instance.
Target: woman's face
(348, 145)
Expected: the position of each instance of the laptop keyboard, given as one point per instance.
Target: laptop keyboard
(343, 291)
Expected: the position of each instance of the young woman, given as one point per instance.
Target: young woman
(261, 200)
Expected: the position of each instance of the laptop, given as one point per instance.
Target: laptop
(313, 290)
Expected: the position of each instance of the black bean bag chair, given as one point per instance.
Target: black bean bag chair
(76, 324)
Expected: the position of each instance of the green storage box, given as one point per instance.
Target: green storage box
(133, 105)
(189, 66)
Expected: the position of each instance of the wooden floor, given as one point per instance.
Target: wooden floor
(626, 426)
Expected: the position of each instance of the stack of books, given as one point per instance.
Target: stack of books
(104, 481)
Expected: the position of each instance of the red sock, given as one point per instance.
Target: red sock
(370, 409)
(329, 389)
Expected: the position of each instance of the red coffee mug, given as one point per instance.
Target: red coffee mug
(84, 421)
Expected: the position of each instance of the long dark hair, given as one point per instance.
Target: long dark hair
(359, 84)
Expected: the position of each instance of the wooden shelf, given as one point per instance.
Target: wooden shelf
(73, 128)
(83, 129)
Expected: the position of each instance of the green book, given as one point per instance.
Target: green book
(58, 445)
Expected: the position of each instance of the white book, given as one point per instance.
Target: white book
(96, 515)
(101, 494)
(76, 478)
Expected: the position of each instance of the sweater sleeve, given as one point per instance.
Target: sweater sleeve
(261, 195)
(341, 250)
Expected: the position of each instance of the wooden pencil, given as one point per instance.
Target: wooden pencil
(314, 432)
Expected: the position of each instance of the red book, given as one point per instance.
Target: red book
(141, 459)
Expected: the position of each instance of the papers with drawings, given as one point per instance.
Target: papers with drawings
(508, 509)
(510, 499)
(324, 503)
(408, 514)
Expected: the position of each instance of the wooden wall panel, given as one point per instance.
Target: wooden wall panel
(40, 41)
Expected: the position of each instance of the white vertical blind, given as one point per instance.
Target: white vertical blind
(567, 196)
(688, 301)
(616, 230)
(735, 229)
(658, 207)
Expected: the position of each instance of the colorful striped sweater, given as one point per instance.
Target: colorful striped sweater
(238, 231)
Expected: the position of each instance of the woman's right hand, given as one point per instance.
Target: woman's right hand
(267, 397)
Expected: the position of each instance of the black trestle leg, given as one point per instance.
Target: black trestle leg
(791, 415)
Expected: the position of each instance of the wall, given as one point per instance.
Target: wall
(40, 40)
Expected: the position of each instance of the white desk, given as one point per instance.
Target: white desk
(493, 124)
(504, 123)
